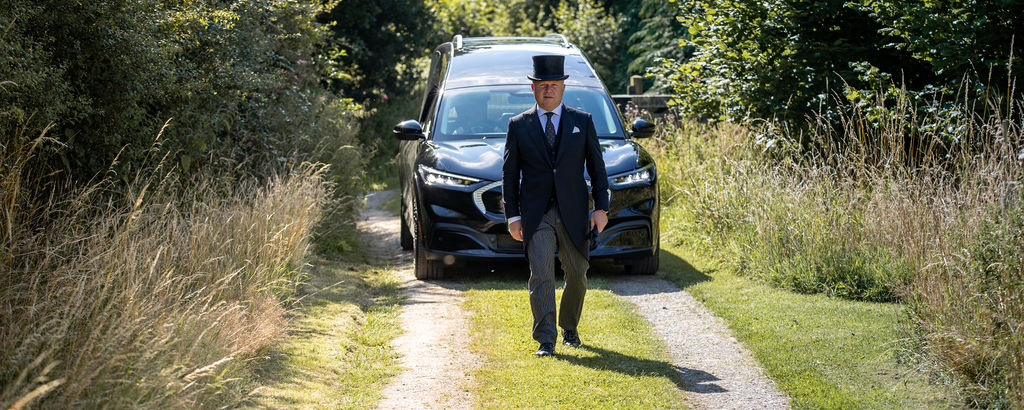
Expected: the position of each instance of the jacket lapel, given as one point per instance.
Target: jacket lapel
(565, 127)
(533, 123)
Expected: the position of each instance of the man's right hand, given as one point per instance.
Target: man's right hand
(516, 229)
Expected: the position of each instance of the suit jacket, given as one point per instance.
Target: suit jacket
(530, 175)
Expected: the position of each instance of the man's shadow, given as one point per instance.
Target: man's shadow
(690, 380)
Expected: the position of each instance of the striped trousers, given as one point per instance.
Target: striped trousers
(540, 252)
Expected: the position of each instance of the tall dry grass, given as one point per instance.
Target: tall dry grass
(888, 205)
(155, 296)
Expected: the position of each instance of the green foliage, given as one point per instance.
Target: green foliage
(238, 82)
(961, 42)
(586, 23)
(654, 34)
(372, 39)
(771, 59)
(476, 18)
(792, 60)
(595, 32)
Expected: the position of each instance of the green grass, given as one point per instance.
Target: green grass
(823, 352)
(338, 352)
(622, 364)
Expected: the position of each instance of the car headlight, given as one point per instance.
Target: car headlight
(434, 177)
(634, 177)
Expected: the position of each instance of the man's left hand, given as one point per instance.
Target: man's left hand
(598, 219)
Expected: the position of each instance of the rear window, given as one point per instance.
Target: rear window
(484, 112)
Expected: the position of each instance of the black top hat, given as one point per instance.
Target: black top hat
(548, 68)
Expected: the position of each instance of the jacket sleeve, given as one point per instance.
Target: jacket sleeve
(595, 167)
(510, 172)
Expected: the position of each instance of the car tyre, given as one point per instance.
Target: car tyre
(406, 233)
(423, 268)
(647, 265)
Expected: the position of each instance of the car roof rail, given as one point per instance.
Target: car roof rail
(457, 40)
(559, 36)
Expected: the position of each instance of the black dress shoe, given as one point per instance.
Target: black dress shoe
(571, 338)
(546, 349)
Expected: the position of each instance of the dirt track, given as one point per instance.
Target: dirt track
(716, 371)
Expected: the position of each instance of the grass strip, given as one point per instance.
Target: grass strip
(338, 353)
(823, 352)
(622, 364)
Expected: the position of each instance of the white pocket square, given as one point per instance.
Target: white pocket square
(575, 129)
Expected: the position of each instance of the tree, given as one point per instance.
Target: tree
(372, 38)
(775, 59)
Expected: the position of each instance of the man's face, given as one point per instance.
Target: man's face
(548, 93)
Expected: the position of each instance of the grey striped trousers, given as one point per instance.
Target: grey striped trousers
(540, 252)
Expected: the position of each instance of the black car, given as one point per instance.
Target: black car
(450, 159)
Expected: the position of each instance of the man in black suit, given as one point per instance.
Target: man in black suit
(545, 199)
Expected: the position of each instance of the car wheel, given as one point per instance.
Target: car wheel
(647, 265)
(423, 268)
(406, 233)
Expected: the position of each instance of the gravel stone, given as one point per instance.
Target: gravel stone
(717, 372)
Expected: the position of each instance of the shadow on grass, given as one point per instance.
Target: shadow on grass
(690, 380)
(680, 271)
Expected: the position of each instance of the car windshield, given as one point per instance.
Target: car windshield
(479, 112)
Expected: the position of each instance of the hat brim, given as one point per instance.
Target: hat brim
(548, 77)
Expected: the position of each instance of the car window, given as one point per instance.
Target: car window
(484, 112)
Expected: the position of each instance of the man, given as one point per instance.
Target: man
(545, 198)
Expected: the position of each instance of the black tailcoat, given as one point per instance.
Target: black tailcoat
(530, 175)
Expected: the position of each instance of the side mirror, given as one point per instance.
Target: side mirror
(642, 128)
(409, 130)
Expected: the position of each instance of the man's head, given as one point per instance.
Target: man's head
(548, 80)
(548, 93)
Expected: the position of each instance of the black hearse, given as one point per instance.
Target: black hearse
(450, 158)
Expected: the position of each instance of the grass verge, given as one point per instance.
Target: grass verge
(824, 352)
(622, 364)
(337, 353)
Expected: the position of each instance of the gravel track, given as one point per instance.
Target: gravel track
(716, 372)
(432, 347)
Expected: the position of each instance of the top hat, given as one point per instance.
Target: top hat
(548, 68)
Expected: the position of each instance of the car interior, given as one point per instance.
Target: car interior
(485, 113)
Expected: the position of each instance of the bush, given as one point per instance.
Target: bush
(785, 60)
(239, 82)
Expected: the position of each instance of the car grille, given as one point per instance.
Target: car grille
(488, 200)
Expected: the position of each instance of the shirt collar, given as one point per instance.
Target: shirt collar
(557, 111)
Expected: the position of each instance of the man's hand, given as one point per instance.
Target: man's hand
(516, 229)
(598, 219)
